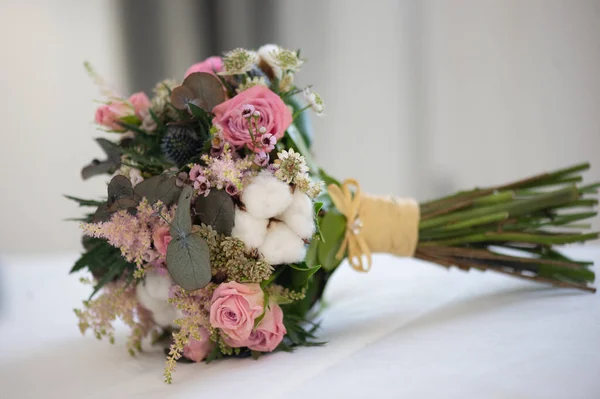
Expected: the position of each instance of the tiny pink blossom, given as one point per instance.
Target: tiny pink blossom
(197, 350)
(202, 185)
(209, 65)
(261, 158)
(268, 142)
(234, 308)
(161, 237)
(196, 171)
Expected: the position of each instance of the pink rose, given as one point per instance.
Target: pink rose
(110, 114)
(140, 103)
(234, 308)
(209, 65)
(269, 115)
(269, 332)
(161, 238)
(198, 350)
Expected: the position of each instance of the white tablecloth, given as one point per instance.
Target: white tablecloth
(406, 329)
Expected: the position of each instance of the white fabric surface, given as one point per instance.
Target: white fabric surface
(406, 329)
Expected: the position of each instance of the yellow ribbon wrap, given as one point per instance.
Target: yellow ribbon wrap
(375, 224)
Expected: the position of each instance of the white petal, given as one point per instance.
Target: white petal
(299, 215)
(266, 196)
(250, 230)
(267, 54)
(282, 245)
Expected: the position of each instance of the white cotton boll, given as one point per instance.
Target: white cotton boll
(282, 245)
(299, 215)
(250, 230)
(157, 285)
(266, 196)
(152, 294)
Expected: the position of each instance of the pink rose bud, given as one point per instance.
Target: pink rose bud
(234, 308)
(209, 65)
(198, 350)
(140, 103)
(274, 117)
(161, 238)
(109, 115)
(270, 331)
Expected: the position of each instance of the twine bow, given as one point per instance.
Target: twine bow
(374, 224)
(354, 242)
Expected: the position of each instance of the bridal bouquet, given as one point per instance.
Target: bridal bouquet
(219, 233)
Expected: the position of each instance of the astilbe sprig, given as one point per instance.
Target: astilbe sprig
(195, 305)
(117, 301)
(132, 234)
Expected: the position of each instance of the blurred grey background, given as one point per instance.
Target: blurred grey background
(422, 97)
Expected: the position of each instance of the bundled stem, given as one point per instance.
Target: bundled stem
(512, 228)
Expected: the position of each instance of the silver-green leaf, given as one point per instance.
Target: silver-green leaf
(159, 188)
(188, 262)
(181, 226)
(188, 255)
(216, 210)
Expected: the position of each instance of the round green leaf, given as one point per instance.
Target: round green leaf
(188, 262)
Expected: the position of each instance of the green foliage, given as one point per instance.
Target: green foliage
(85, 202)
(104, 262)
(476, 228)
(216, 210)
(333, 227)
(301, 274)
(188, 254)
(302, 121)
(159, 188)
(109, 165)
(300, 332)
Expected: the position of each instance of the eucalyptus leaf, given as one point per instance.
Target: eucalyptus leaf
(333, 227)
(216, 210)
(181, 226)
(109, 165)
(188, 261)
(206, 88)
(119, 187)
(159, 188)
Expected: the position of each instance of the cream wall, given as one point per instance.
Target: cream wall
(422, 97)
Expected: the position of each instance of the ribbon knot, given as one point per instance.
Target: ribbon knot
(375, 224)
(349, 205)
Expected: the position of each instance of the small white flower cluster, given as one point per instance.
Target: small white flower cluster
(153, 294)
(251, 82)
(238, 61)
(275, 221)
(315, 101)
(291, 168)
(284, 63)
